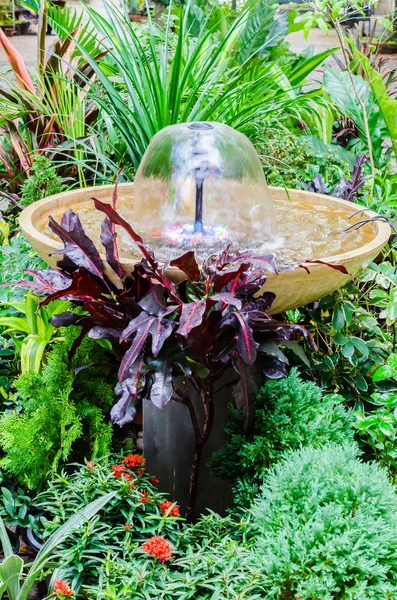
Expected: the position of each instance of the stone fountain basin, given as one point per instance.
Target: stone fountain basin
(293, 288)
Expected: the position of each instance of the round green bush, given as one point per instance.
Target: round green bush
(326, 527)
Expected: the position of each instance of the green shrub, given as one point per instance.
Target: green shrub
(43, 182)
(326, 527)
(61, 413)
(289, 413)
(292, 160)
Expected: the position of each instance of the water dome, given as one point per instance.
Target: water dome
(200, 186)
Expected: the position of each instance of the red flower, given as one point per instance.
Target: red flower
(128, 476)
(132, 461)
(159, 547)
(127, 526)
(90, 465)
(118, 471)
(62, 589)
(165, 506)
(141, 472)
(145, 498)
(154, 481)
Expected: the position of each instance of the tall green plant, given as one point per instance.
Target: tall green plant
(162, 78)
(32, 332)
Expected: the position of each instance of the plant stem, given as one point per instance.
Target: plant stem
(339, 33)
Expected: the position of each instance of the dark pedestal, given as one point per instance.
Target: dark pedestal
(168, 443)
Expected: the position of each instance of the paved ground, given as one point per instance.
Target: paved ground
(27, 45)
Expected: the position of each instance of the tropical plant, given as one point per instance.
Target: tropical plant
(354, 332)
(32, 332)
(292, 160)
(15, 258)
(289, 414)
(48, 112)
(378, 428)
(198, 328)
(136, 512)
(348, 189)
(17, 584)
(145, 84)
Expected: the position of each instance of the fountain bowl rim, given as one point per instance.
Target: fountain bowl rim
(381, 234)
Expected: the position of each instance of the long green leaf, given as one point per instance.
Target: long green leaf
(5, 540)
(57, 538)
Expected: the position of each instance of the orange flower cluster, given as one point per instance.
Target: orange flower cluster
(154, 481)
(118, 471)
(165, 506)
(62, 589)
(90, 465)
(145, 498)
(134, 461)
(159, 547)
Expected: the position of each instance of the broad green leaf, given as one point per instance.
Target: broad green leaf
(338, 318)
(338, 85)
(298, 350)
(387, 428)
(387, 105)
(348, 350)
(361, 346)
(385, 372)
(361, 384)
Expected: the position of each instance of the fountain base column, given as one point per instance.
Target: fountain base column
(168, 444)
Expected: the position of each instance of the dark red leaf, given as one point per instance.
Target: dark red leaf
(82, 287)
(109, 242)
(118, 220)
(46, 282)
(191, 316)
(154, 302)
(104, 333)
(128, 387)
(160, 331)
(245, 390)
(188, 264)
(66, 319)
(225, 298)
(273, 368)
(226, 276)
(78, 247)
(340, 268)
(103, 314)
(137, 344)
(116, 189)
(143, 326)
(245, 343)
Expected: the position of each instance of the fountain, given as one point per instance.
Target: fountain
(200, 186)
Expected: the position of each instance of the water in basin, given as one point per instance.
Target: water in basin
(200, 186)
